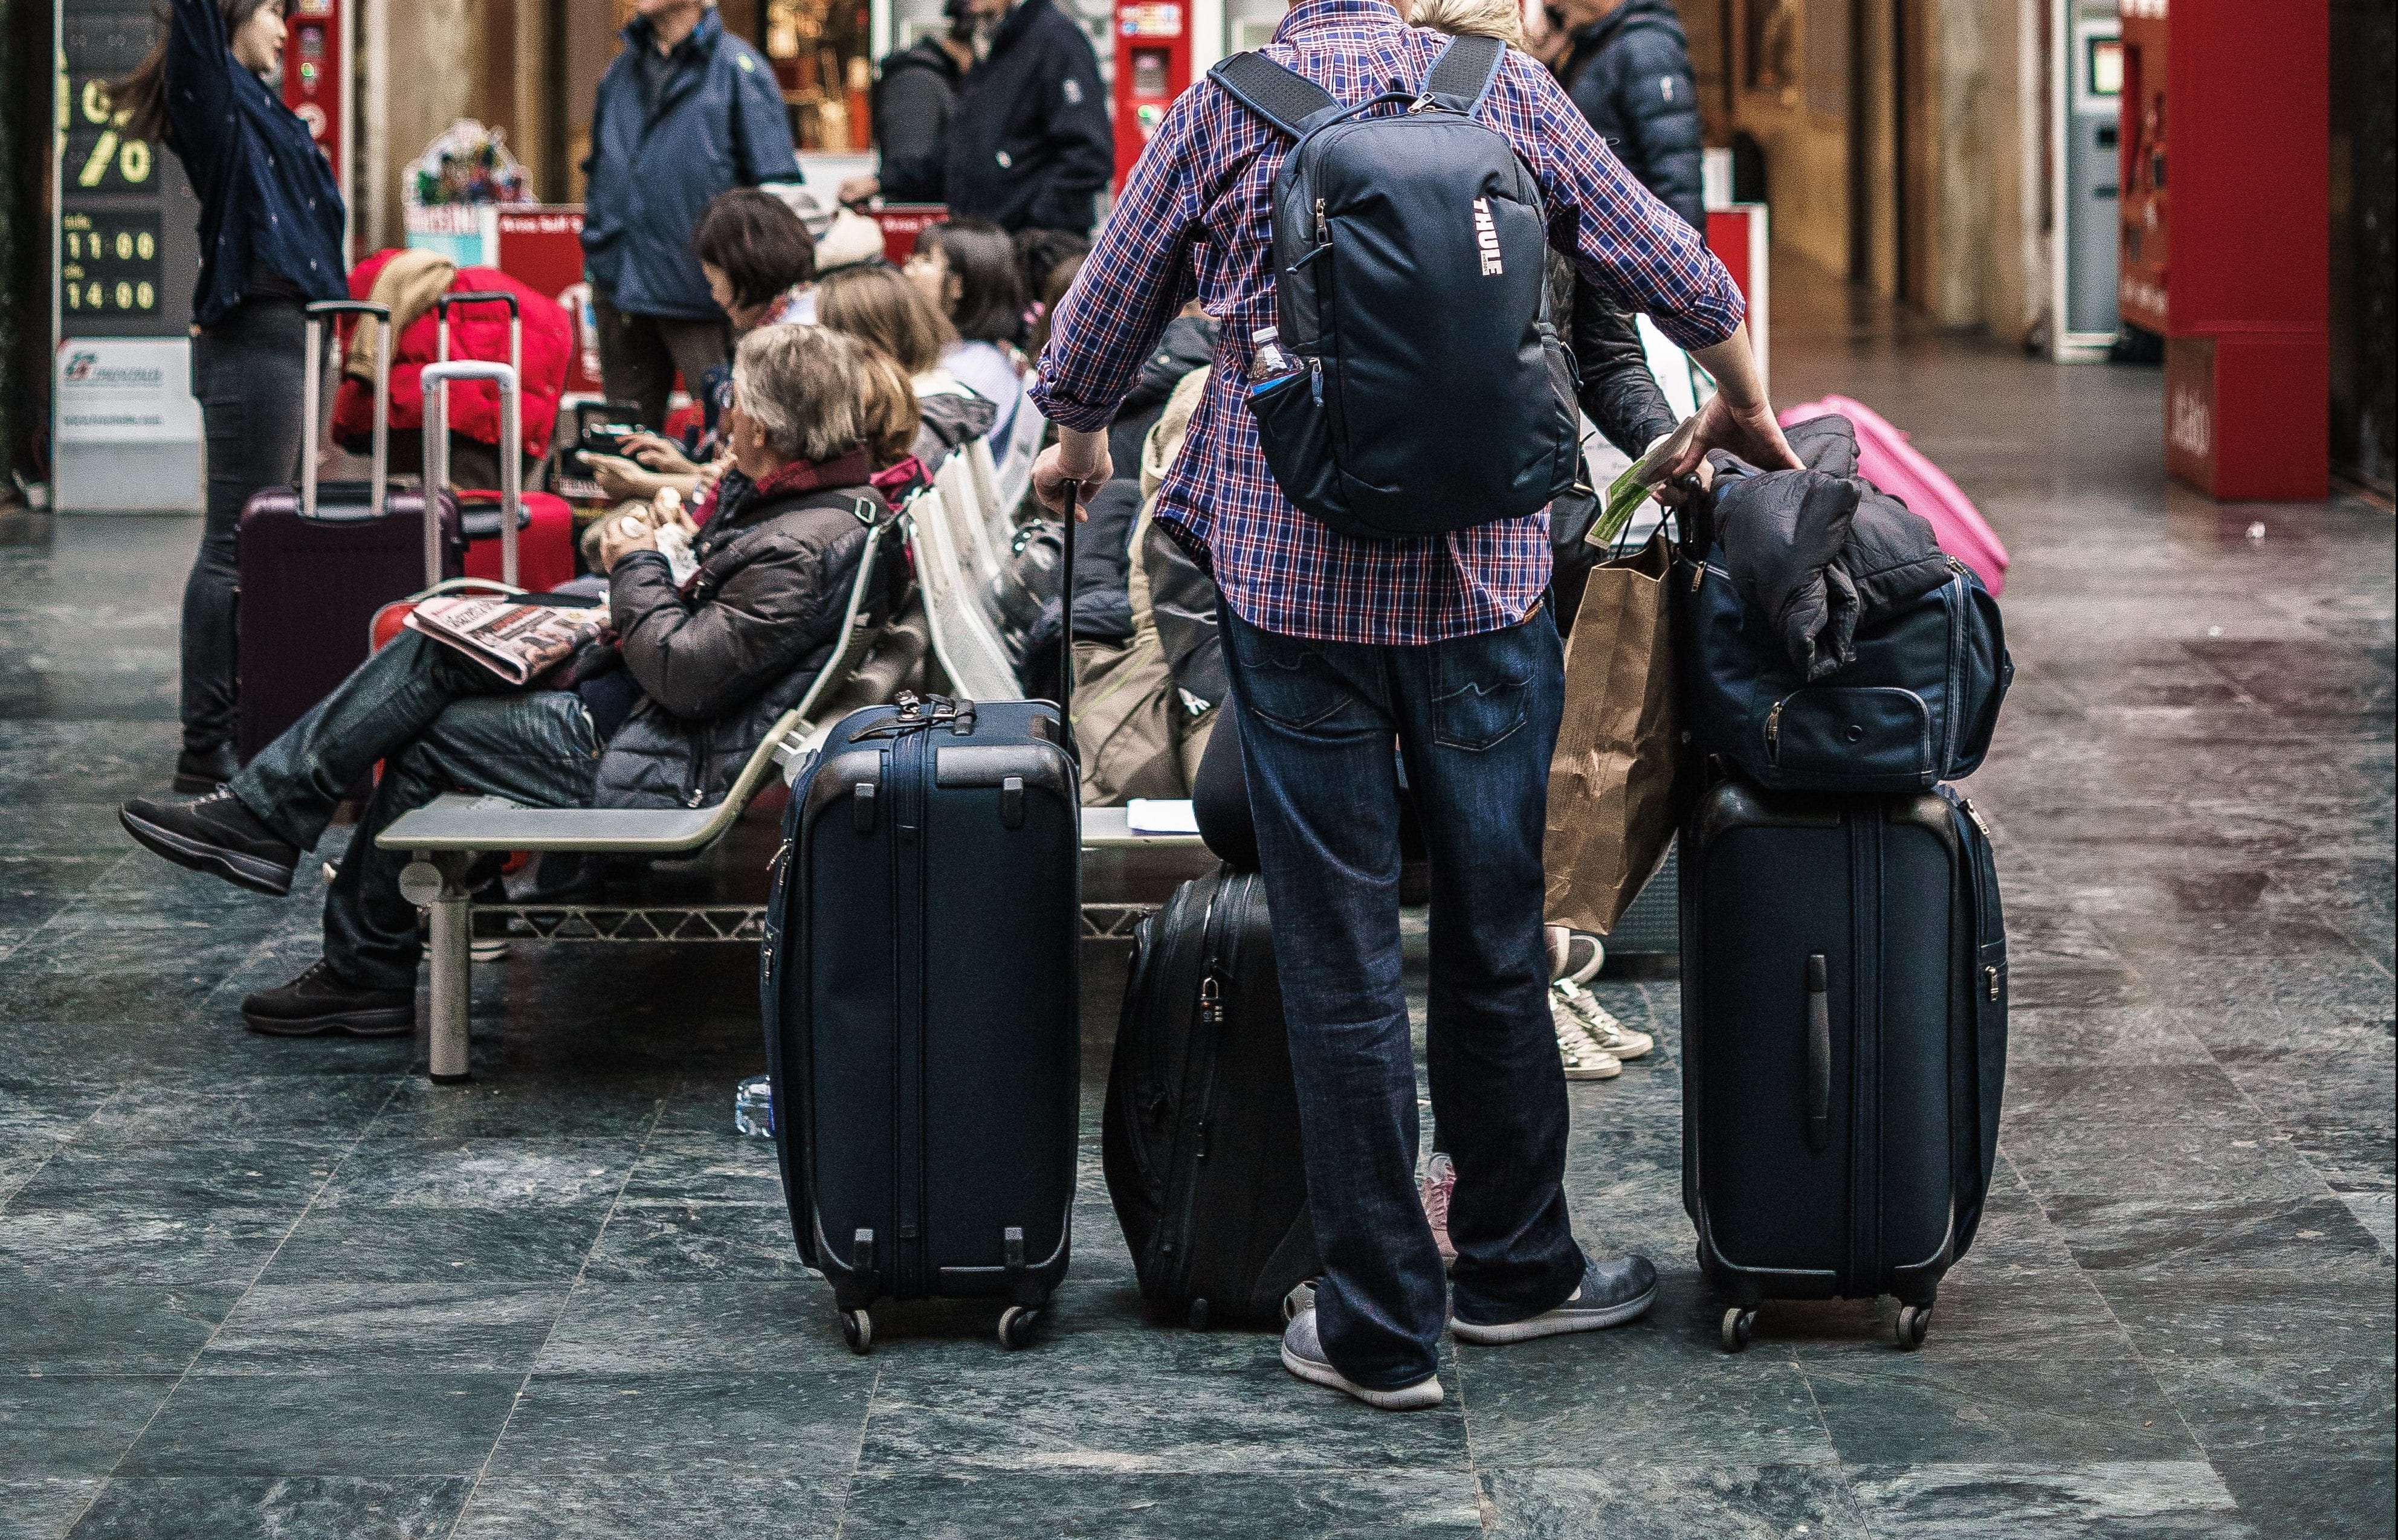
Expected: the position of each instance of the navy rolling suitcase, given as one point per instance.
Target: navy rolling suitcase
(1844, 1009)
(315, 562)
(1200, 1137)
(923, 1003)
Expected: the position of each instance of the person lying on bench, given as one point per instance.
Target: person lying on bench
(704, 673)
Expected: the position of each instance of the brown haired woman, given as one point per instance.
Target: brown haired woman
(879, 307)
(271, 219)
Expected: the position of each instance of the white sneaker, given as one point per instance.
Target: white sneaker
(1584, 1058)
(1439, 1181)
(1304, 1356)
(1599, 1023)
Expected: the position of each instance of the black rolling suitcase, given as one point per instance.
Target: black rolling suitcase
(1844, 1009)
(1200, 1137)
(315, 562)
(922, 1006)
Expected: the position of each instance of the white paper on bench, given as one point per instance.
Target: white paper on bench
(1147, 815)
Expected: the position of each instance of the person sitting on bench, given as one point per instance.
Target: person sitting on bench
(665, 718)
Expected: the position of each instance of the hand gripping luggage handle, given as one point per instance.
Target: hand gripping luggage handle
(1819, 1055)
(436, 378)
(316, 344)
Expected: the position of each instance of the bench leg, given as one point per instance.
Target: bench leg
(449, 960)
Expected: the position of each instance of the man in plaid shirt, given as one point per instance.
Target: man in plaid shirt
(1340, 645)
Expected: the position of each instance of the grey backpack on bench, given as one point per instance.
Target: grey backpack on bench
(1410, 256)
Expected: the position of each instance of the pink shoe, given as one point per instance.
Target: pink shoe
(1439, 1181)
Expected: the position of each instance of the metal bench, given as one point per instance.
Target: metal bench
(446, 837)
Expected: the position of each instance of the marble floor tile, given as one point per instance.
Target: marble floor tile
(638, 1506)
(2122, 1500)
(717, 1424)
(422, 1244)
(329, 1109)
(180, 1247)
(2294, 1402)
(2350, 1493)
(325, 1327)
(43, 1507)
(648, 1327)
(190, 1176)
(2041, 1037)
(286, 1507)
(2228, 1313)
(2167, 1130)
(600, 1107)
(1139, 1506)
(1616, 1498)
(2086, 1398)
(2378, 1212)
(378, 1422)
(478, 1172)
(704, 1168)
(2155, 1237)
(699, 1242)
(2341, 1115)
(74, 1424)
(108, 1329)
(1984, 1309)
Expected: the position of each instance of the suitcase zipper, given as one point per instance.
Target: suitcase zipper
(1773, 733)
(908, 1059)
(1200, 1061)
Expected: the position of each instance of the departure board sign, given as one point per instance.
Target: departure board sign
(128, 242)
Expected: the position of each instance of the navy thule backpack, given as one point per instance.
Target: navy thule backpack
(1409, 260)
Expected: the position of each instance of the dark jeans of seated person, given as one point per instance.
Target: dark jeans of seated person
(439, 722)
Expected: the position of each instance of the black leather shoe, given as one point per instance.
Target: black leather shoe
(198, 772)
(215, 834)
(318, 1001)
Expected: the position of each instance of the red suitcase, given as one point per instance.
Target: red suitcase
(545, 523)
(314, 562)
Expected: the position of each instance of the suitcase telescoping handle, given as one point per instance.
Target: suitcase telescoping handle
(1819, 1054)
(436, 458)
(482, 297)
(1066, 618)
(381, 314)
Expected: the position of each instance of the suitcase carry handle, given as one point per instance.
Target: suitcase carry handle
(436, 378)
(1819, 1055)
(474, 297)
(381, 314)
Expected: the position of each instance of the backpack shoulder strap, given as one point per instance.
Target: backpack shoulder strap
(1461, 77)
(1284, 98)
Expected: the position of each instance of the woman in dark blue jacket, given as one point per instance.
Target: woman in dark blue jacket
(271, 221)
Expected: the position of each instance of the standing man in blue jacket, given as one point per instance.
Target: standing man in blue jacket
(686, 112)
(1030, 145)
(1629, 71)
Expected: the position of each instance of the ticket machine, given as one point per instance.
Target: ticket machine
(316, 77)
(1152, 67)
(2089, 77)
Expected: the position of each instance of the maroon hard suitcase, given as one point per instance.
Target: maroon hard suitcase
(315, 562)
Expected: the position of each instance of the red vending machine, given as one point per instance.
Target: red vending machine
(2226, 250)
(1153, 68)
(316, 78)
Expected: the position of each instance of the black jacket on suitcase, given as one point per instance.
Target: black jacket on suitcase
(1844, 984)
(1200, 1138)
(921, 1001)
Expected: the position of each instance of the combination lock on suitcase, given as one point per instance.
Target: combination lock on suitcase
(1844, 1010)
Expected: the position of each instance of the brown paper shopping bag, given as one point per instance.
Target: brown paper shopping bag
(1618, 782)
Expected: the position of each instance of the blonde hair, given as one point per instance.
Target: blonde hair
(1501, 19)
(805, 387)
(883, 307)
(889, 409)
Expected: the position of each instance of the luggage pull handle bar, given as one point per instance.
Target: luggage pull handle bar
(436, 378)
(1819, 1054)
(381, 314)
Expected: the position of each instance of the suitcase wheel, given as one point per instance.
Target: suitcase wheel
(1016, 1324)
(857, 1329)
(1198, 1315)
(1914, 1325)
(1737, 1323)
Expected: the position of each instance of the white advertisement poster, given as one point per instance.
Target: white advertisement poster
(118, 390)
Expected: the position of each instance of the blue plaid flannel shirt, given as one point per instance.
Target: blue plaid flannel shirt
(1194, 221)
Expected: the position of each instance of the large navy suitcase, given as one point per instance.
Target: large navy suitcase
(1200, 1136)
(314, 562)
(1844, 1009)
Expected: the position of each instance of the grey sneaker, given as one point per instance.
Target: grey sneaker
(1600, 1022)
(1304, 1356)
(1609, 1294)
(1584, 1059)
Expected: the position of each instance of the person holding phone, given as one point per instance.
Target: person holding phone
(270, 219)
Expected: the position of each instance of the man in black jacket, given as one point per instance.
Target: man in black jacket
(916, 89)
(1629, 72)
(1029, 143)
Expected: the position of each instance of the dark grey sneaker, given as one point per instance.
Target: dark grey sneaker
(1304, 1356)
(214, 833)
(318, 1001)
(1609, 1294)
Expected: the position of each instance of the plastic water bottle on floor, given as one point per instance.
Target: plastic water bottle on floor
(753, 1107)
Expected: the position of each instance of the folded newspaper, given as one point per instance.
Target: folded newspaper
(517, 636)
(1624, 494)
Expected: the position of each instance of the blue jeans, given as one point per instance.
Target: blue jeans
(1476, 719)
(438, 722)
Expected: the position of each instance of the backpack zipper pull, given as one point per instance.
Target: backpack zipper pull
(1773, 733)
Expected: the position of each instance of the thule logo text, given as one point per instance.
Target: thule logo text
(1485, 237)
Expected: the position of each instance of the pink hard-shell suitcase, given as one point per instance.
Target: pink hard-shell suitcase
(1886, 459)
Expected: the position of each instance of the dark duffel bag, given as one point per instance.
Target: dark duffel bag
(1200, 1137)
(1916, 706)
(1844, 1030)
(922, 1006)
